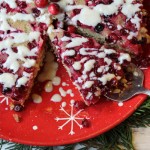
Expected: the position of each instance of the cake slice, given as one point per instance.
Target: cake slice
(94, 68)
(119, 23)
(22, 35)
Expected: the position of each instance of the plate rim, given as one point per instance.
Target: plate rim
(84, 138)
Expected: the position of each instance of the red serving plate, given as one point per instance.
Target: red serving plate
(49, 124)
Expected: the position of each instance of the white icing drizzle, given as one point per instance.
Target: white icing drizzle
(63, 3)
(65, 38)
(8, 80)
(131, 35)
(77, 41)
(17, 57)
(101, 69)
(56, 81)
(102, 9)
(64, 93)
(88, 20)
(48, 87)
(72, 101)
(88, 65)
(21, 81)
(77, 65)
(65, 84)
(124, 56)
(56, 98)
(126, 7)
(89, 95)
(132, 8)
(109, 9)
(109, 51)
(106, 77)
(63, 104)
(136, 20)
(37, 98)
(108, 61)
(68, 53)
(88, 84)
(88, 51)
(101, 55)
(44, 17)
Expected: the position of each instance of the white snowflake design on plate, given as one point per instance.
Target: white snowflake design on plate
(4, 99)
(71, 118)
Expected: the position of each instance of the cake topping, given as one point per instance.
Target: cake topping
(117, 22)
(54, 9)
(71, 29)
(92, 66)
(41, 3)
(22, 32)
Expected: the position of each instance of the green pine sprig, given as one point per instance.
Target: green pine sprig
(119, 138)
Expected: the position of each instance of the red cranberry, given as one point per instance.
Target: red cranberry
(119, 73)
(36, 12)
(8, 9)
(114, 82)
(32, 44)
(71, 29)
(123, 32)
(85, 123)
(2, 32)
(54, 9)
(89, 44)
(6, 90)
(8, 31)
(41, 3)
(1, 38)
(76, 11)
(99, 27)
(134, 40)
(29, 70)
(113, 56)
(55, 0)
(15, 49)
(18, 108)
(22, 4)
(107, 1)
(112, 38)
(42, 27)
(79, 105)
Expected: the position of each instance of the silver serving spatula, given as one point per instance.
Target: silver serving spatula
(136, 87)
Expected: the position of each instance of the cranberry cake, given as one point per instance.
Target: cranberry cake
(116, 22)
(22, 35)
(94, 68)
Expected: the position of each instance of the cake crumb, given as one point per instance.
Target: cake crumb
(17, 118)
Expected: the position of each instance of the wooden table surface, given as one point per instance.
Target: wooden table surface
(141, 138)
